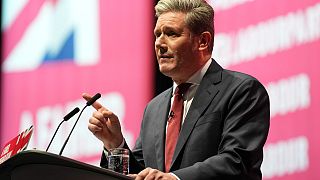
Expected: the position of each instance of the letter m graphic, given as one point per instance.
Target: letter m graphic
(36, 32)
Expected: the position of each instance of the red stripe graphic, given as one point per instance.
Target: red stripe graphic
(15, 32)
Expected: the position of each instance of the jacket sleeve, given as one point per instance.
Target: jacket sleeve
(136, 163)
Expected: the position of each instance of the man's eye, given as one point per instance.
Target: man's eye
(172, 33)
(157, 35)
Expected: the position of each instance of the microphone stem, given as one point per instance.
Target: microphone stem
(54, 135)
(65, 143)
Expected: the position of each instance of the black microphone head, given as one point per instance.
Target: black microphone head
(70, 114)
(93, 99)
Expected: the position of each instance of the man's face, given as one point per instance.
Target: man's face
(175, 46)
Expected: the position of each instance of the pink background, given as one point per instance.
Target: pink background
(125, 69)
(274, 67)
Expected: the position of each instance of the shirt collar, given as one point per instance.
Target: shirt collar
(196, 78)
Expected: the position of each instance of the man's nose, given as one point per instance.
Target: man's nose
(161, 45)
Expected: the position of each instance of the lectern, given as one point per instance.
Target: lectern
(40, 165)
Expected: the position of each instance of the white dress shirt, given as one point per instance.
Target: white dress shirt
(195, 80)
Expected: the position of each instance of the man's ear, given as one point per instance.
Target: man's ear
(205, 40)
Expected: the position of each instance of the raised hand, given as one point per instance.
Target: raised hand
(105, 125)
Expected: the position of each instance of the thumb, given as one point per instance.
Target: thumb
(110, 115)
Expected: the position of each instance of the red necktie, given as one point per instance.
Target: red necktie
(174, 123)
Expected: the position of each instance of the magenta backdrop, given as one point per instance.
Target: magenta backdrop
(278, 41)
(41, 92)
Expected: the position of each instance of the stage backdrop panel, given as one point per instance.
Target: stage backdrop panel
(278, 41)
(54, 50)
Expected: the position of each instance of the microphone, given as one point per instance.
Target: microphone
(65, 118)
(71, 114)
(93, 99)
(89, 103)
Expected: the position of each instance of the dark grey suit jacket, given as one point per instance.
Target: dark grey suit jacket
(222, 136)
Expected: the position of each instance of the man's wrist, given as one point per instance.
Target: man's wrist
(106, 151)
(112, 145)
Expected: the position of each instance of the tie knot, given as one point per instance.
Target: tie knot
(182, 88)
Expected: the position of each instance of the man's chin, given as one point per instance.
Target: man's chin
(167, 71)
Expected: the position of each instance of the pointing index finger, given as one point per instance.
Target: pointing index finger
(96, 105)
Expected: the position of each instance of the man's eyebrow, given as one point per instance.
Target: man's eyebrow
(166, 28)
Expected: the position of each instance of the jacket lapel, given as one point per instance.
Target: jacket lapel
(204, 95)
(160, 128)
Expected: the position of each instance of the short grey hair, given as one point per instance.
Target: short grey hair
(199, 14)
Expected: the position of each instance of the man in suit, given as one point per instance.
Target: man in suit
(222, 118)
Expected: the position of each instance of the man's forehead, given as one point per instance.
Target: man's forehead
(171, 19)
